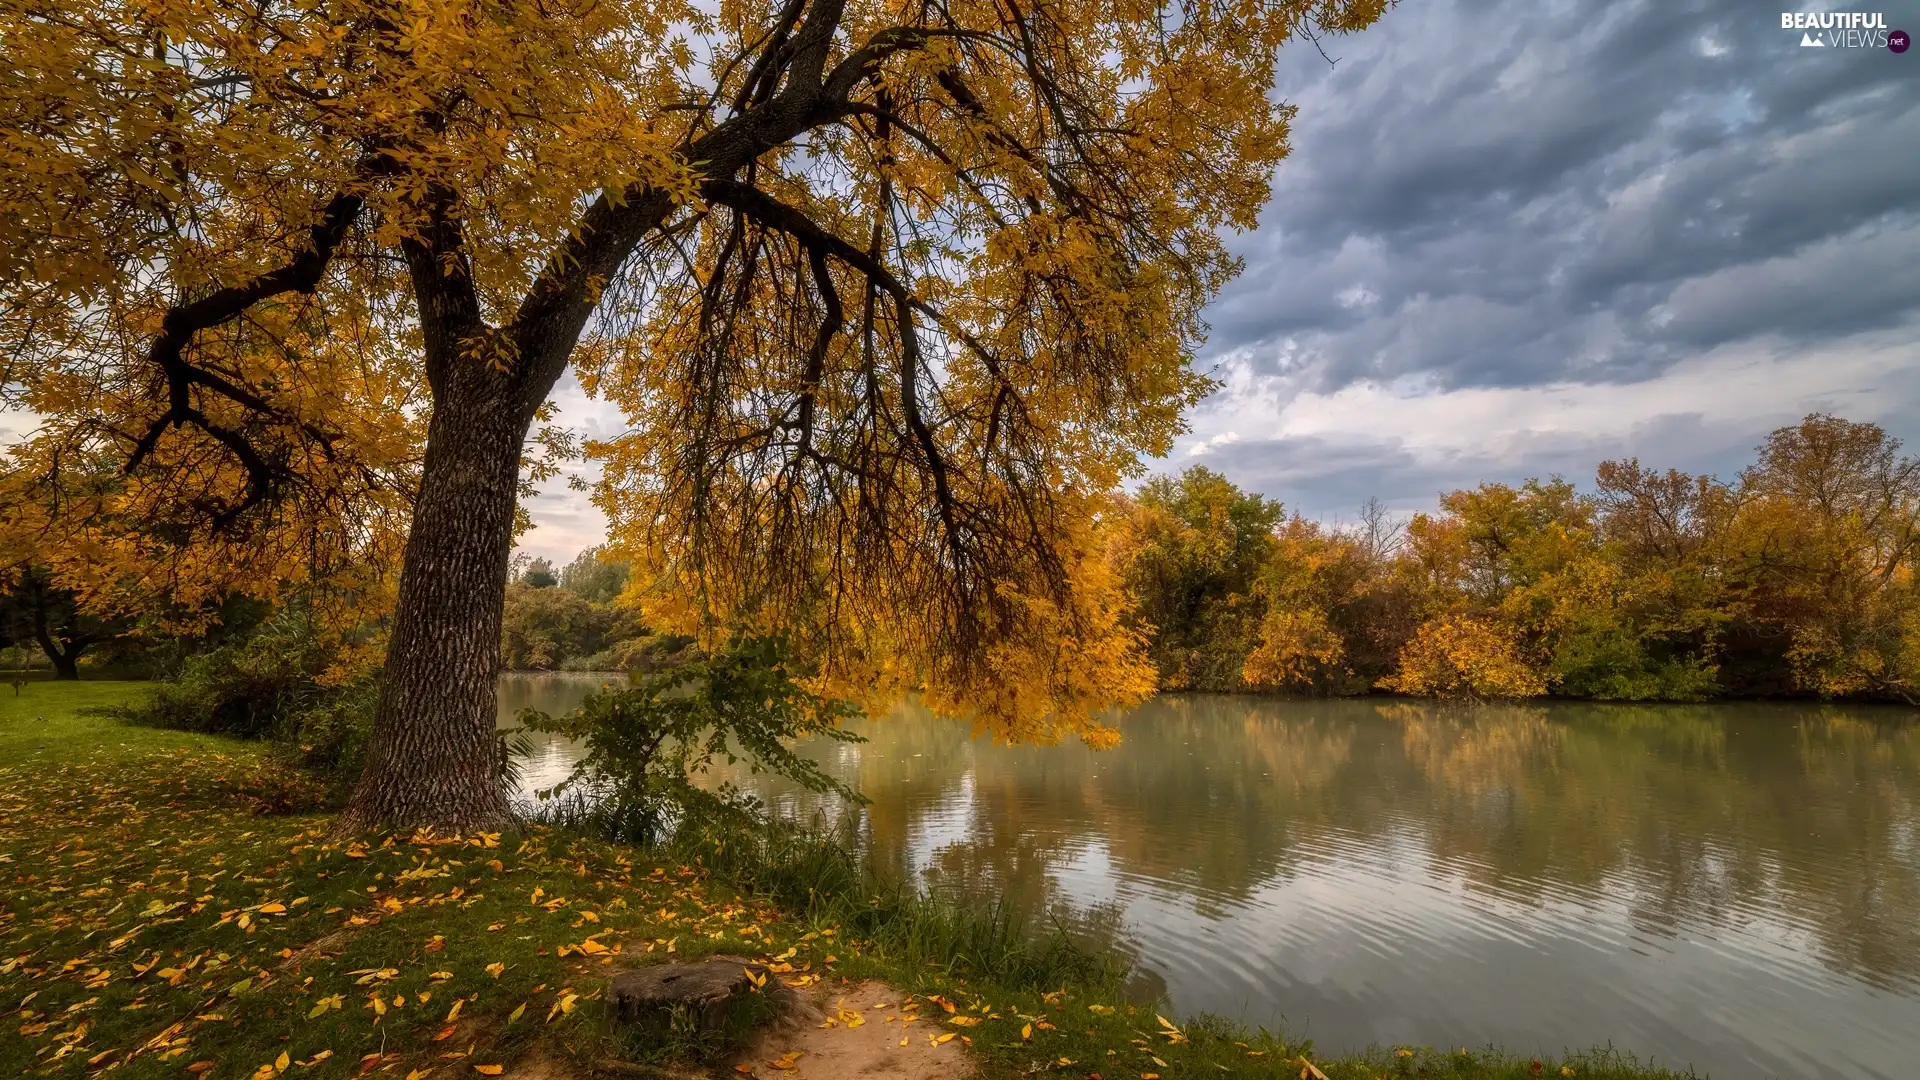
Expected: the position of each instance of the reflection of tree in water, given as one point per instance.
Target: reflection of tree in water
(1705, 816)
(1805, 820)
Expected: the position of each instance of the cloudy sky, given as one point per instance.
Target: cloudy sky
(1519, 237)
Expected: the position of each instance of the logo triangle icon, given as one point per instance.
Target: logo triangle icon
(1808, 40)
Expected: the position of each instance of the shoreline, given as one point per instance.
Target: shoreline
(205, 848)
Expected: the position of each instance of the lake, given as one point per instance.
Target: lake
(1731, 886)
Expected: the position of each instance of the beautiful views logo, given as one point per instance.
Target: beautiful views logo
(1844, 30)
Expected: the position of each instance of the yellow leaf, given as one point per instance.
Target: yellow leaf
(1026, 1031)
(494, 969)
(280, 1063)
(518, 1012)
(275, 908)
(490, 1070)
(945, 1037)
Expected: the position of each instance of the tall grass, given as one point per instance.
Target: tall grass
(818, 872)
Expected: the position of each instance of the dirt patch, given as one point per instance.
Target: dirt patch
(857, 1030)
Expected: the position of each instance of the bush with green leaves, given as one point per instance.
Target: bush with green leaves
(647, 745)
(271, 685)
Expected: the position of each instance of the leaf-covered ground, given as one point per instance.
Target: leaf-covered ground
(173, 906)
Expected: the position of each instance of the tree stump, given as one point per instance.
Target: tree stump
(706, 990)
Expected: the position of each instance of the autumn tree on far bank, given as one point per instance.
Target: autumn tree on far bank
(892, 294)
(1797, 578)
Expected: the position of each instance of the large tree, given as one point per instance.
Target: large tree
(892, 292)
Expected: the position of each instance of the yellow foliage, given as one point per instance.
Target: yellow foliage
(891, 298)
(1462, 656)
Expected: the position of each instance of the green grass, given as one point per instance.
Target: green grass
(41, 725)
(174, 903)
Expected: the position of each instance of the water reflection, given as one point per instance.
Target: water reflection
(1732, 886)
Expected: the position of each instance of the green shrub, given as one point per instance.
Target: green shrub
(269, 686)
(648, 743)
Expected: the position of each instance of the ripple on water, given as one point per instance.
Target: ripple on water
(1741, 896)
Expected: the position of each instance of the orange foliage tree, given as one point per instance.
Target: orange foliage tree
(1796, 578)
(892, 294)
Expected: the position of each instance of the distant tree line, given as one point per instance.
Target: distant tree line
(567, 619)
(1795, 578)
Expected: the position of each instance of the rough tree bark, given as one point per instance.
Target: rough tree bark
(431, 758)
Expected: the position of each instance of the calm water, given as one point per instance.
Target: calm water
(1735, 887)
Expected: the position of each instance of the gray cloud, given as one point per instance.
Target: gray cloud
(1508, 193)
(1328, 478)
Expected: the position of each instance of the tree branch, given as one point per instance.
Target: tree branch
(178, 327)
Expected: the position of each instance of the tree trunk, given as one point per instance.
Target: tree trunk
(430, 761)
(66, 665)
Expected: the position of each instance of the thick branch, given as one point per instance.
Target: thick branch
(178, 327)
(767, 210)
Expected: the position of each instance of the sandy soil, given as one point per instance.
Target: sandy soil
(857, 1030)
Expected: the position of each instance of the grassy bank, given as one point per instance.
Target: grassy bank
(174, 907)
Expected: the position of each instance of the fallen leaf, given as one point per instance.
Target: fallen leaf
(490, 1070)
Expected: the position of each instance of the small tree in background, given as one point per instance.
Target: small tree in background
(37, 610)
